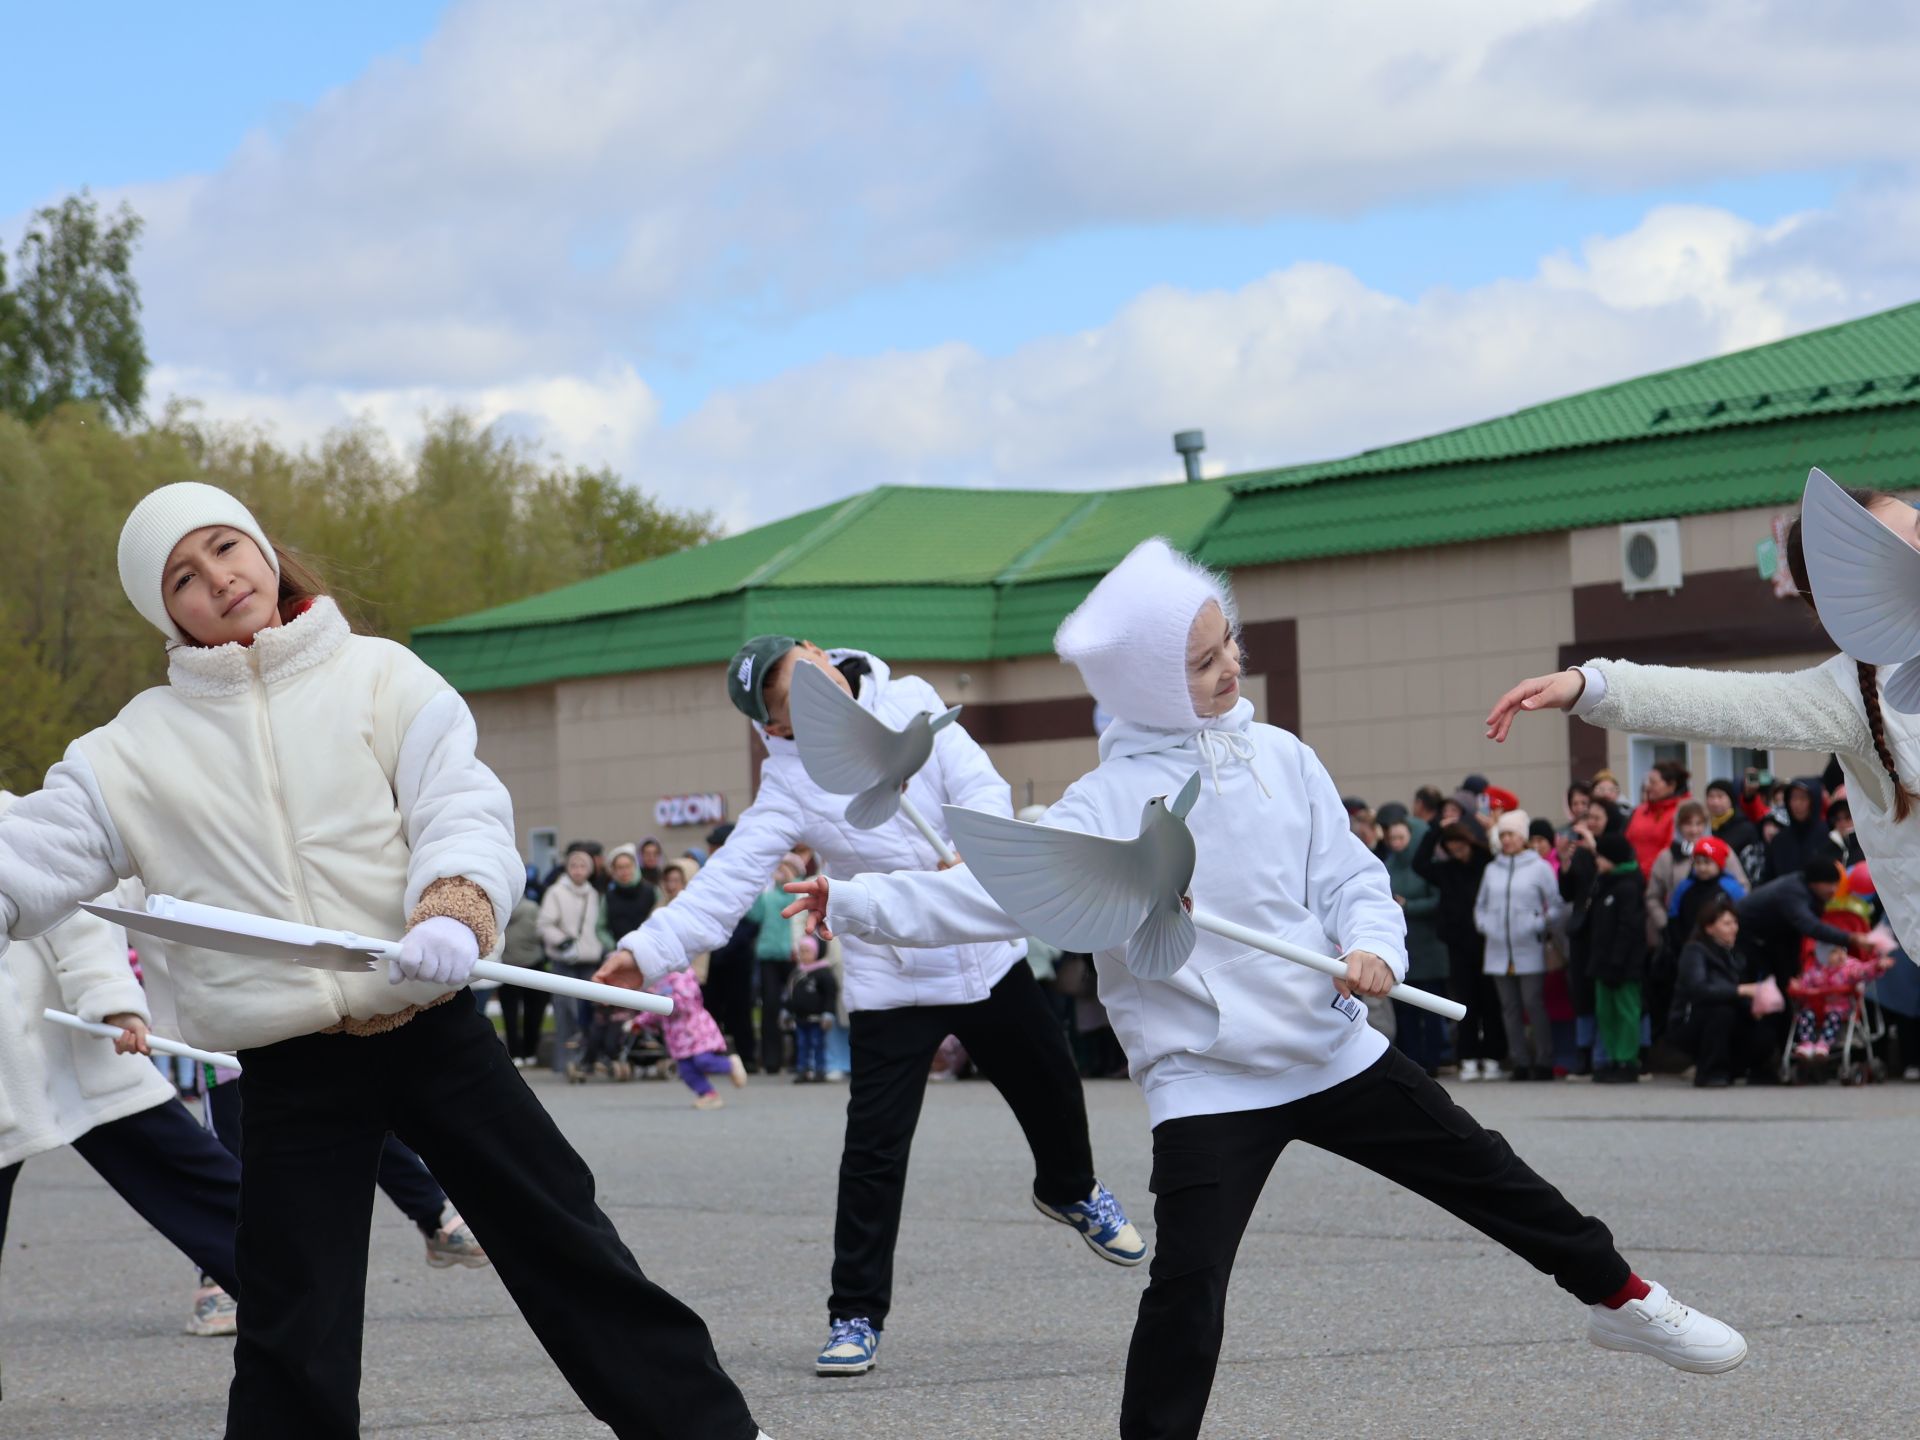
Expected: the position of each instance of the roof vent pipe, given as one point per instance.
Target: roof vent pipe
(1190, 443)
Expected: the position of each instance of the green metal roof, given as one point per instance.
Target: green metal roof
(945, 574)
(1864, 364)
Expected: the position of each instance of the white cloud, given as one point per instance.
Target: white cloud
(544, 185)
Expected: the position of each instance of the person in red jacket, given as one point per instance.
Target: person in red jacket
(1650, 827)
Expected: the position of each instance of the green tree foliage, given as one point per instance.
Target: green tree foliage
(70, 321)
(468, 520)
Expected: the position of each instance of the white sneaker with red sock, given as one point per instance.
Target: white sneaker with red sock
(1656, 1324)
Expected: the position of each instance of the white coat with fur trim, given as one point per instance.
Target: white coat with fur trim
(57, 1084)
(1232, 1029)
(315, 775)
(790, 810)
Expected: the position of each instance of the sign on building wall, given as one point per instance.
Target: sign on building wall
(708, 809)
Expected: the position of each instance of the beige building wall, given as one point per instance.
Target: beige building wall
(1400, 656)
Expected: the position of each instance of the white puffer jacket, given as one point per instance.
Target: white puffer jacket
(1518, 905)
(57, 1084)
(317, 776)
(1818, 710)
(1233, 1028)
(790, 809)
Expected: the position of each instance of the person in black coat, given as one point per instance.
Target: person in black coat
(1455, 872)
(1617, 957)
(1722, 799)
(1578, 874)
(1711, 1008)
(1804, 837)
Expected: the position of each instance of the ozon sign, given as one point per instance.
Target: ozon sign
(689, 810)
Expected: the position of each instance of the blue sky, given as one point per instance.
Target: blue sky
(741, 250)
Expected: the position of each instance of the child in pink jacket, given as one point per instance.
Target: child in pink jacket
(1825, 989)
(693, 1039)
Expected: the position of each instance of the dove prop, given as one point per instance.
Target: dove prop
(1866, 583)
(847, 750)
(156, 1042)
(1091, 893)
(238, 933)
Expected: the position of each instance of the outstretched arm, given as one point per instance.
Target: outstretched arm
(1786, 710)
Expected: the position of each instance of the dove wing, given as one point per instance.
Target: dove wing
(1866, 579)
(1901, 688)
(1073, 890)
(844, 748)
(1163, 942)
(871, 809)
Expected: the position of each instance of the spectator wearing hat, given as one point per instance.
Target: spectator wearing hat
(630, 898)
(1544, 842)
(1802, 831)
(1727, 821)
(1712, 869)
(1617, 958)
(1495, 802)
(1518, 906)
(1422, 1034)
(1841, 832)
(1452, 858)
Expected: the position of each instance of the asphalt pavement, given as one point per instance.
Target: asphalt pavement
(1358, 1309)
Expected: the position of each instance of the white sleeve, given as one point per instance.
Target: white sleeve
(1791, 710)
(1347, 887)
(966, 773)
(918, 909)
(58, 846)
(1483, 916)
(921, 909)
(703, 915)
(457, 814)
(90, 964)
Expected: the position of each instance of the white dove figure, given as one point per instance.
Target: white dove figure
(848, 750)
(1091, 893)
(1087, 892)
(1866, 585)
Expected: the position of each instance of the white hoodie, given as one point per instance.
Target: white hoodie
(315, 775)
(57, 1084)
(1518, 904)
(790, 809)
(1233, 1029)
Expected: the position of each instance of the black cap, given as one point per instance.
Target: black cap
(717, 836)
(748, 670)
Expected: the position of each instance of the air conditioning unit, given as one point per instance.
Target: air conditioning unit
(1650, 556)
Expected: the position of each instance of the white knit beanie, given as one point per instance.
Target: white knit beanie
(157, 525)
(1128, 638)
(1514, 820)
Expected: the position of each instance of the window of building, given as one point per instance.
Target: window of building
(1731, 762)
(1643, 753)
(543, 846)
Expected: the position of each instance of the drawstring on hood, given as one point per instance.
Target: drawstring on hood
(1230, 745)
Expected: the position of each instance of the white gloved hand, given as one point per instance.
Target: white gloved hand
(437, 951)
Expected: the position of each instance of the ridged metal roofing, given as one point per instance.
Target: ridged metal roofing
(941, 574)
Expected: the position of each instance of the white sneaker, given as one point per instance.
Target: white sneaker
(1662, 1327)
(1491, 1071)
(1469, 1069)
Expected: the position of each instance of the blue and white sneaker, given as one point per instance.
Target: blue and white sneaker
(852, 1349)
(1102, 1224)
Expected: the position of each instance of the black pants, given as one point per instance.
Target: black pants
(317, 1111)
(774, 975)
(1208, 1171)
(1717, 1038)
(1014, 1039)
(522, 1012)
(1482, 1035)
(729, 998)
(407, 1181)
(176, 1176)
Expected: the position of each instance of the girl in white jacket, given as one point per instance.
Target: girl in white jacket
(1240, 1053)
(1834, 707)
(1518, 907)
(290, 767)
(62, 1088)
(902, 1003)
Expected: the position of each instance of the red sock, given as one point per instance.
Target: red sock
(1634, 1289)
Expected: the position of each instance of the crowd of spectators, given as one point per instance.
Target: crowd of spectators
(1735, 936)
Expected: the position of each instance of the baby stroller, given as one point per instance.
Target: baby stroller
(1850, 1059)
(643, 1049)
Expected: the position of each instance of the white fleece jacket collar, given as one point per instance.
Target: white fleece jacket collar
(207, 672)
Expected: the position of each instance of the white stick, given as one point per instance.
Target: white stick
(1325, 964)
(941, 848)
(562, 985)
(157, 1042)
